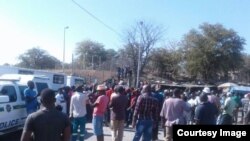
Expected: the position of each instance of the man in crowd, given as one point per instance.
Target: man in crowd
(145, 114)
(30, 98)
(61, 104)
(172, 113)
(245, 103)
(247, 114)
(206, 112)
(160, 99)
(78, 112)
(212, 98)
(118, 105)
(228, 110)
(100, 106)
(47, 124)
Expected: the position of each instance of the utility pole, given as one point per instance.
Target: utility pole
(66, 27)
(92, 62)
(72, 71)
(139, 59)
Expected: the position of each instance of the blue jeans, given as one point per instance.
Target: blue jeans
(143, 128)
(97, 125)
(76, 122)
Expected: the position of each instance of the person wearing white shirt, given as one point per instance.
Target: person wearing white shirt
(78, 112)
(60, 101)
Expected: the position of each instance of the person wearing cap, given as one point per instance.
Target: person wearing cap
(78, 112)
(206, 112)
(228, 110)
(100, 107)
(211, 97)
(47, 124)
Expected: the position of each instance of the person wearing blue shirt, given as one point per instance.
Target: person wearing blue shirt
(30, 98)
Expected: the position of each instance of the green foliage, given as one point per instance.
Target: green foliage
(167, 61)
(37, 58)
(213, 52)
(89, 52)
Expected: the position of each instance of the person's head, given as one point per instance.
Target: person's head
(247, 96)
(31, 84)
(48, 98)
(176, 93)
(166, 93)
(73, 88)
(183, 97)
(60, 90)
(146, 89)
(67, 89)
(79, 88)
(193, 95)
(119, 89)
(101, 89)
(135, 92)
(153, 88)
(127, 90)
(203, 97)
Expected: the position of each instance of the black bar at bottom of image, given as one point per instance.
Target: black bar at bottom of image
(211, 132)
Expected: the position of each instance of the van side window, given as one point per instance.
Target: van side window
(21, 89)
(10, 91)
(58, 79)
(79, 81)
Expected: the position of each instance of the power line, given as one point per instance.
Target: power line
(96, 18)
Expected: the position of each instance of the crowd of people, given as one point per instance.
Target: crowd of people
(63, 116)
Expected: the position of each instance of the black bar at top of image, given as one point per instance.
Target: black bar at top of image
(211, 132)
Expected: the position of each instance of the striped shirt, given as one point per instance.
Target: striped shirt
(146, 108)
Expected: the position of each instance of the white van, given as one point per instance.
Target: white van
(12, 102)
(57, 80)
(75, 80)
(41, 81)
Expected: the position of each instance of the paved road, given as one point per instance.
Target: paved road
(11, 137)
(128, 135)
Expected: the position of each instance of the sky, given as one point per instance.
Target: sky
(25, 24)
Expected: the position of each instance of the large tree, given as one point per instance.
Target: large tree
(37, 58)
(141, 37)
(166, 61)
(213, 51)
(244, 73)
(90, 53)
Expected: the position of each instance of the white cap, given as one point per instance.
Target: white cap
(101, 87)
(206, 90)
